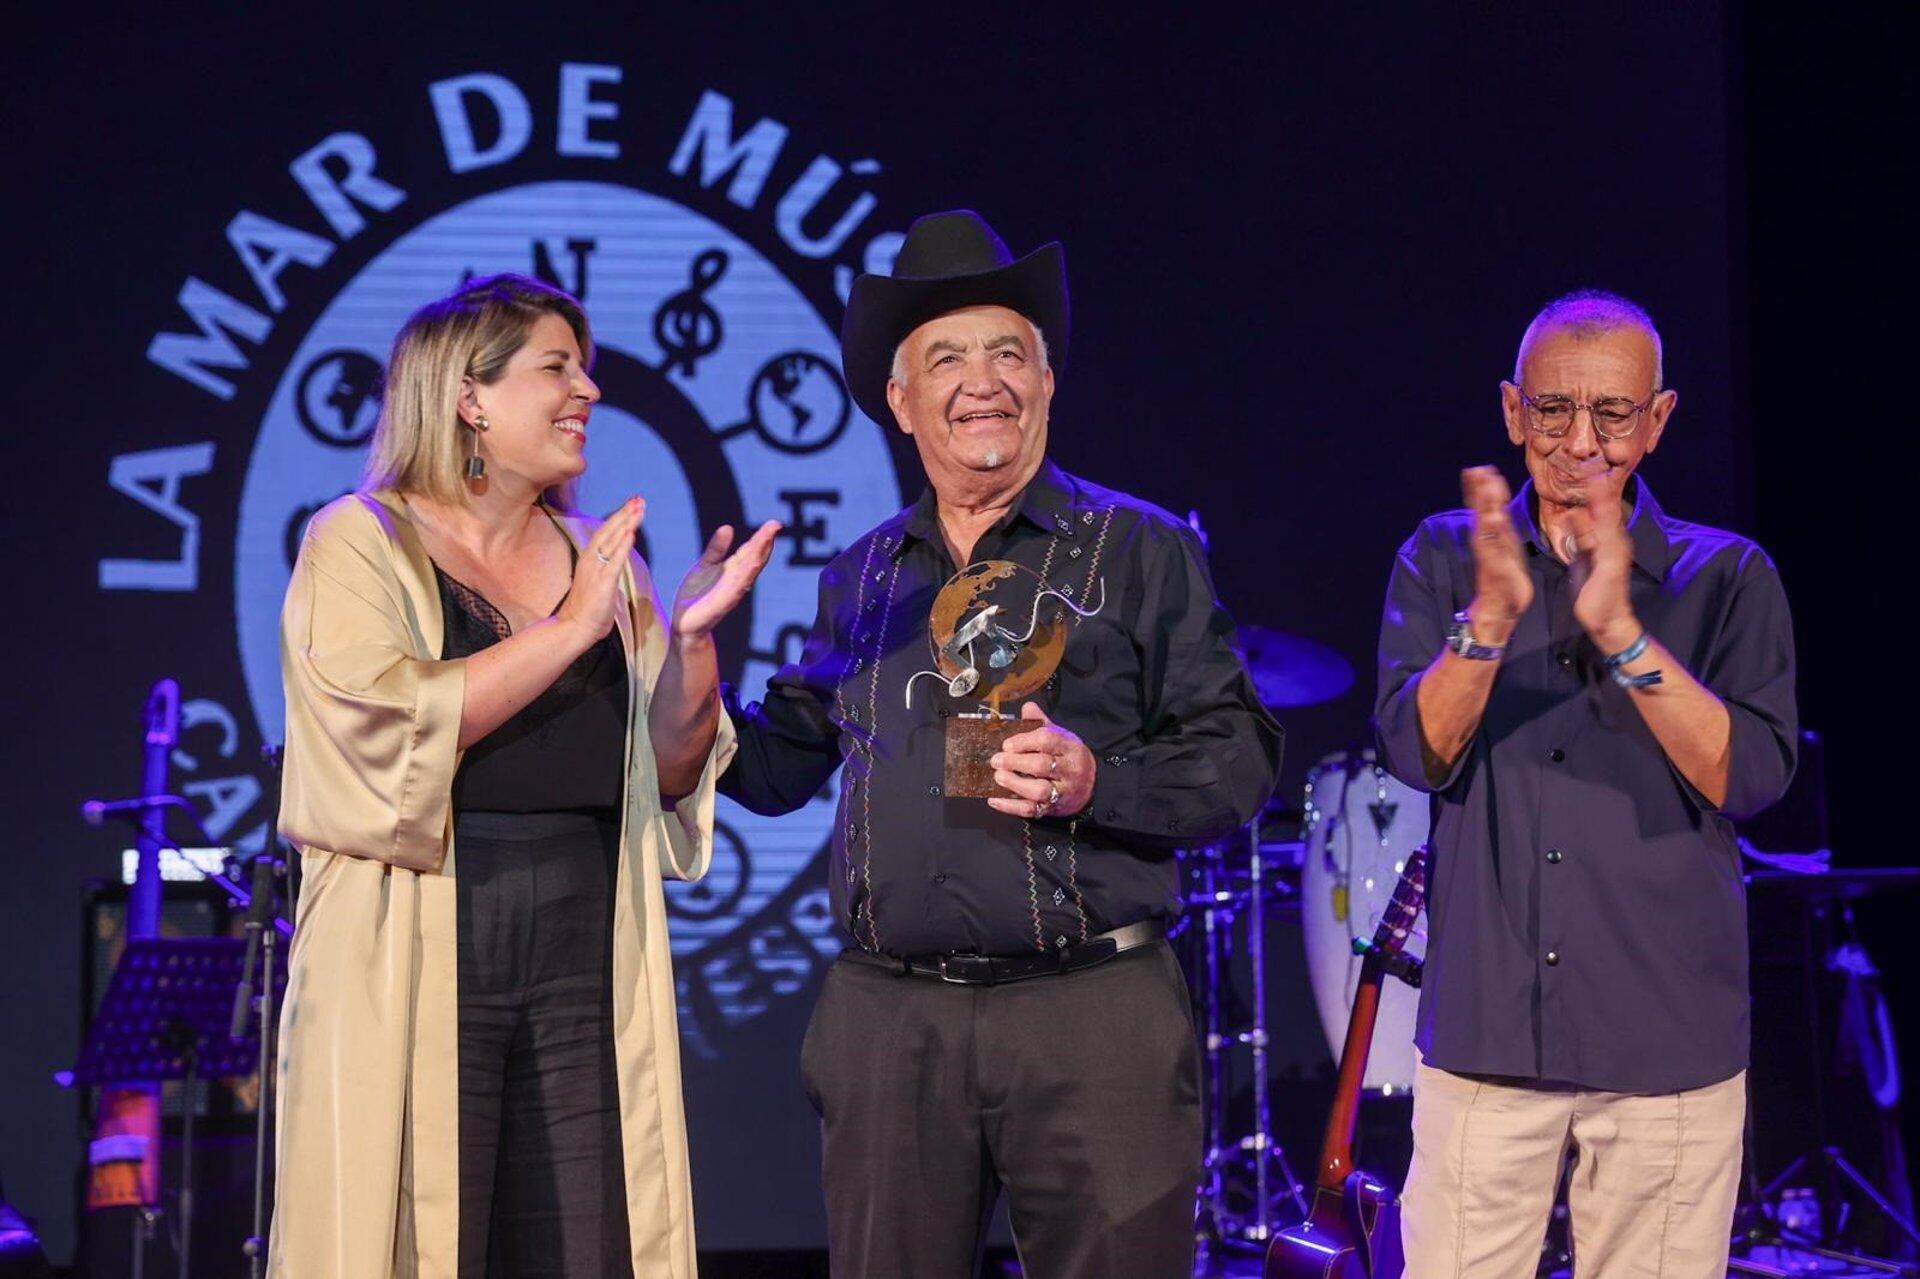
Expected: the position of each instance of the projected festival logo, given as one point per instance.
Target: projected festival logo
(723, 403)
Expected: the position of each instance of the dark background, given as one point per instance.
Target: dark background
(1302, 249)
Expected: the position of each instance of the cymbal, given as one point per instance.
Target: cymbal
(1291, 670)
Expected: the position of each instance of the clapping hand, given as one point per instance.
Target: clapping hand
(717, 582)
(589, 604)
(1502, 589)
(1604, 565)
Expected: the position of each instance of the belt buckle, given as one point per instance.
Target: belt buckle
(959, 961)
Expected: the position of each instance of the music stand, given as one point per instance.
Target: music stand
(167, 1015)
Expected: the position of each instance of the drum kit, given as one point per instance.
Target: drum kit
(1332, 863)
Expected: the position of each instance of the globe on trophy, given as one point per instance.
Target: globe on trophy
(992, 648)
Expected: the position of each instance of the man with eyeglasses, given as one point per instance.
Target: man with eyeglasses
(1591, 690)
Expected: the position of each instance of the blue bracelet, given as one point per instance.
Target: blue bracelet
(1628, 654)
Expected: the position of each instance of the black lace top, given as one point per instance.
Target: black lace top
(563, 750)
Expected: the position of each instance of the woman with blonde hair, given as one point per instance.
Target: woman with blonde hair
(498, 744)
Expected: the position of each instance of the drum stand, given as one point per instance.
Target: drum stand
(1829, 943)
(1244, 1176)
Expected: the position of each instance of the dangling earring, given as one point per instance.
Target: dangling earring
(477, 465)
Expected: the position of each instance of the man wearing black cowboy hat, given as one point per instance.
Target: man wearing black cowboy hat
(1009, 1013)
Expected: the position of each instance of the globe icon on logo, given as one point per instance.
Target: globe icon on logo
(798, 403)
(339, 397)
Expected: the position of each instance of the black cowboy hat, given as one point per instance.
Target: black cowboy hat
(950, 260)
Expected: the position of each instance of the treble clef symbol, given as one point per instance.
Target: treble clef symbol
(686, 325)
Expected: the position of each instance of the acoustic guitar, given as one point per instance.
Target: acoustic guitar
(1352, 1230)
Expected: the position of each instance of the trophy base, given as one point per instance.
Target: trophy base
(973, 740)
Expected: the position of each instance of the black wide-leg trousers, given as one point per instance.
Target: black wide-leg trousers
(542, 1181)
(1080, 1094)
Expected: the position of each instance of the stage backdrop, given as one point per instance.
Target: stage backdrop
(1301, 249)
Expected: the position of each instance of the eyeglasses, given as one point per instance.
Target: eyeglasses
(1552, 415)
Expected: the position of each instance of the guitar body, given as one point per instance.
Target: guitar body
(1352, 1234)
(1353, 1229)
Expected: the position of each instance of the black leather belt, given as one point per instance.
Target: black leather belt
(995, 970)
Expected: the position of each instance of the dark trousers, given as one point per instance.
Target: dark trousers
(542, 1182)
(1078, 1093)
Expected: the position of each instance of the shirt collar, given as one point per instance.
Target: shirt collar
(1646, 525)
(1047, 503)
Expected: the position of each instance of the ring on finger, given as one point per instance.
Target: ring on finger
(1053, 766)
(603, 557)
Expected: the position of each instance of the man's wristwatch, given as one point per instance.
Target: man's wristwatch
(1460, 640)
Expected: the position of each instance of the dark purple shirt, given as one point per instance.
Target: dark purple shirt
(1587, 920)
(1153, 683)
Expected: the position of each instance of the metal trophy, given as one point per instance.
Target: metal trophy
(991, 646)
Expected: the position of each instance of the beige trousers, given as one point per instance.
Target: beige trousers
(1653, 1189)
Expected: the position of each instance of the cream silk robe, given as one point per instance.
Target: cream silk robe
(369, 1178)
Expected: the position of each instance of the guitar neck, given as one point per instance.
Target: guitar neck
(1336, 1149)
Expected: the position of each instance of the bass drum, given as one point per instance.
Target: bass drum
(1361, 825)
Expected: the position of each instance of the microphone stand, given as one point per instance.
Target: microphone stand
(262, 939)
(181, 1036)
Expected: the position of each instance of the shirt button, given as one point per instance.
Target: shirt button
(933, 790)
(1553, 959)
(940, 877)
(1557, 755)
(1553, 856)
(1565, 659)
